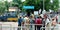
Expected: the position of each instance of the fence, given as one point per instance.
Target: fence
(31, 26)
(8, 25)
(23, 27)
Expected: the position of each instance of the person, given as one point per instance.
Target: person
(58, 18)
(26, 22)
(46, 20)
(20, 22)
(55, 25)
(38, 21)
(32, 21)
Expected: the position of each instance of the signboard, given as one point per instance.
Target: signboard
(35, 12)
(39, 11)
(13, 8)
(28, 7)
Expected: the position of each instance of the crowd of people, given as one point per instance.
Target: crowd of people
(41, 20)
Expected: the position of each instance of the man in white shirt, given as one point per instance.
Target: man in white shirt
(58, 18)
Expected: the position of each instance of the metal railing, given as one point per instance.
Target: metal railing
(50, 28)
(25, 27)
(32, 26)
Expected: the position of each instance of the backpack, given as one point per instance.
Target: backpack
(38, 21)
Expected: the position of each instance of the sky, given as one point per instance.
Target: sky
(51, 1)
(22, 0)
(10, 0)
(5, 0)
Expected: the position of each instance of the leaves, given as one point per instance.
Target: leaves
(53, 6)
(38, 4)
(2, 7)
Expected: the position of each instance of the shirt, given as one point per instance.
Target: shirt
(20, 21)
(57, 27)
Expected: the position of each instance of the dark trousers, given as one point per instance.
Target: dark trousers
(44, 28)
(19, 27)
(38, 27)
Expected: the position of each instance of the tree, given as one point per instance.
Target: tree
(7, 4)
(2, 7)
(53, 6)
(17, 3)
(38, 4)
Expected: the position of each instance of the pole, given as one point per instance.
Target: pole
(43, 4)
(43, 9)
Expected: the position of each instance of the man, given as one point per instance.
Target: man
(32, 21)
(58, 18)
(20, 22)
(26, 22)
(55, 25)
(38, 21)
(46, 21)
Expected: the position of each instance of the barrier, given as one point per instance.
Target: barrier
(24, 27)
(0, 26)
(50, 28)
(8, 25)
(31, 26)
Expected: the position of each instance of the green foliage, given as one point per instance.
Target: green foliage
(7, 5)
(2, 7)
(38, 4)
(35, 3)
(53, 6)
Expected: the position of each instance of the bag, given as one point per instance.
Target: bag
(38, 21)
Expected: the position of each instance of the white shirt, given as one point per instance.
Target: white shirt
(58, 17)
(47, 21)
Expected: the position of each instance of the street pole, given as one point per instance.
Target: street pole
(43, 4)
